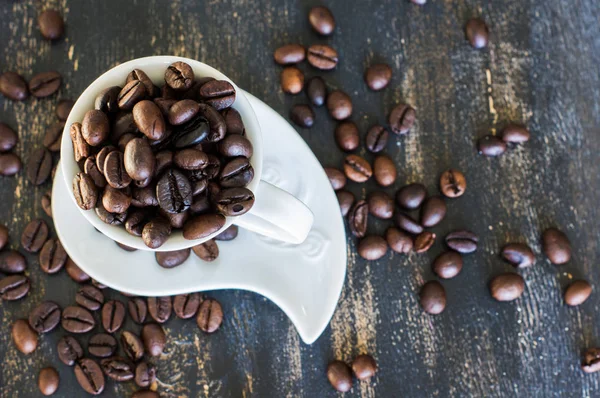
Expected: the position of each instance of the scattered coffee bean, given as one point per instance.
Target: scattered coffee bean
(462, 241)
(12, 262)
(401, 119)
(52, 27)
(346, 200)
(378, 76)
(44, 84)
(491, 146)
(591, 360)
(53, 136)
(132, 345)
(424, 241)
(515, 134)
(380, 204)
(117, 368)
(376, 138)
(39, 166)
(63, 109)
(202, 226)
(406, 223)
(447, 265)
(48, 381)
(210, 316)
(219, 94)
(89, 376)
(77, 320)
(477, 33)
(173, 258)
(556, 246)
(339, 105)
(357, 168)
(507, 287)
(47, 203)
(321, 20)
(10, 164)
(433, 297)
(45, 317)
(8, 138)
(113, 315)
(357, 219)
(292, 80)
(398, 241)
(52, 256)
(145, 374)
(137, 309)
(85, 191)
(290, 54)
(316, 90)
(433, 211)
(24, 337)
(228, 234)
(518, 254)
(384, 170)
(339, 376)
(411, 196)
(577, 292)
(13, 86)
(322, 57)
(160, 308)
(34, 235)
(453, 183)
(302, 115)
(372, 247)
(336, 178)
(346, 136)
(69, 350)
(154, 339)
(89, 297)
(75, 272)
(186, 305)
(364, 367)
(207, 251)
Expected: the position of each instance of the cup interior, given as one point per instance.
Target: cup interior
(155, 68)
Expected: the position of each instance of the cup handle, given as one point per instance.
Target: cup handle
(277, 214)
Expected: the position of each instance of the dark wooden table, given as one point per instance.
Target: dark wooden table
(541, 68)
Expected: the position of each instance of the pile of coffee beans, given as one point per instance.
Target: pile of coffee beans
(339, 373)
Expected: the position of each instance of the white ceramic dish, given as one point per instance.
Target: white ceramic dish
(304, 280)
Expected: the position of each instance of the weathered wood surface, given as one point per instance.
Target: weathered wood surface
(541, 68)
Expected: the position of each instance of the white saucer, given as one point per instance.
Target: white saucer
(304, 280)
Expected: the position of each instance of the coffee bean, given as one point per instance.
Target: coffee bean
(34, 235)
(44, 84)
(238, 172)
(381, 205)
(95, 127)
(45, 317)
(149, 119)
(462, 241)
(322, 57)
(234, 201)
(47, 203)
(52, 256)
(90, 168)
(424, 241)
(339, 105)
(591, 360)
(357, 219)
(12, 262)
(163, 160)
(339, 376)
(52, 137)
(132, 346)
(515, 134)
(39, 166)
(108, 217)
(292, 80)
(77, 320)
(337, 179)
(507, 287)
(477, 33)
(144, 197)
(357, 168)
(372, 247)
(346, 136)
(179, 76)
(378, 76)
(447, 265)
(233, 121)
(183, 111)
(321, 20)
(219, 94)
(75, 272)
(207, 251)
(154, 339)
(80, 147)
(202, 226)
(453, 183)
(24, 337)
(132, 93)
(52, 27)
(137, 309)
(8, 138)
(138, 159)
(13, 86)
(173, 191)
(228, 234)
(172, 259)
(433, 211)
(63, 109)
(69, 350)
(190, 159)
(518, 254)
(210, 316)
(406, 223)
(433, 297)
(186, 305)
(113, 315)
(156, 232)
(236, 145)
(364, 367)
(145, 374)
(384, 170)
(216, 122)
(107, 100)
(160, 308)
(48, 381)
(376, 138)
(316, 90)
(491, 146)
(402, 118)
(346, 200)
(89, 376)
(290, 54)
(10, 164)
(85, 191)
(138, 74)
(114, 170)
(89, 297)
(411, 196)
(577, 292)
(398, 241)
(302, 115)
(556, 246)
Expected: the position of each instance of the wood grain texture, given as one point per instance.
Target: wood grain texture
(541, 68)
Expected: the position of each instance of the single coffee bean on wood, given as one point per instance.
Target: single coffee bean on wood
(69, 350)
(145, 374)
(12, 262)
(292, 80)
(477, 33)
(364, 367)
(591, 360)
(154, 339)
(34, 235)
(507, 287)
(89, 297)
(316, 91)
(381, 205)
(339, 376)
(357, 219)
(411, 196)
(52, 137)
(13, 86)
(462, 241)
(357, 168)
(89, 376)
(52, 27)
(424, 241)
(372, 247)
(45, 317)
(210, 316)
(290, 54)
(346, 200)
(339, 105)
(453, 183)
(556, 246)
(491, 146)
(399, 241)
(302, 115)
(447, 265)
(376, 138)
(518, 254)
(46, 203)
(48, 381)
(75, 272)
(24, 337)
(337, 179)
(77, 320)
(378, 76)
(401, 119)
(384, 170)
(113, 315)
(322, 57)
(8, 138)
(39, 166)
(52, 256)
(132, 345)
(406, 223)
(186, 305)
(433, 211)
(137, 309)
(44, 84)
(321, 20)
(346, 136)
(433, 297)
(515, 133)
(10, 164)
(3, 240)
(160, 308)
(63, 109)
(577, 292)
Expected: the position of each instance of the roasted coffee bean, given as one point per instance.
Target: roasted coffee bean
(172, 259)
(144, 197)
(202, 226)
(174, 191)
(411, 196)
(89, 297)
(89, 376)
(107, 100)
(95, 127)
(357, 168)
(44, 84)
(183, 111)
(577, 292)
(357, 218)
(117, 368)
(337, 179)
(453, 183)
(447, 265)
(372, 247)
(75, 272)
(108, 217)
(51, 138)
(321, 20)
(339, 376)
(477, 33)
(236, 145)
(91, 169)
(102, 345)
(406, 223)
(433, 211)
(154, 339)
(376, 138)
(165, 105)
(24, 337)
(402, 118)
(210, 316)
(228, 234)
(515, 134)
(137, 309)
(339, 105)
(52, 27)
(145, 374)
(114, 170)
(216, 122)
(179, 76)
(80, 147)
(113, 315)
(123, 124)
(186, 305)
(346, 200)
(69, 350)
(47, 203)
(156, 232)
(39, 166)
(163, 160)
(13, 86)
(433, 297)
(238, 172)
(201, 205)
(207, 251)
(63, 109)
(234, 201)
(346, 136)
(138, 159)
(364, 367)
(462, 241)
(8, 138)
(177, 220)
(316, 90)
(48, 381)
(219, 94)
(12, 262)
(34, 235)
(160, 308)
(192, 133)
(233, 121)
(123, 141)
(77, 320)
(384, 170)
(302, 115)
(507, 287)
(190, 159)
(52, 256)
(491, 146)
(45, 317)
(132, 345)
(518, 254)
(138, 74)
(85, 191)
(378, 76)
(322, 57)
(290, 54)
(149, 120)
(381, 205)
(424, 241)
(292, 80)
(591, 360)
(556, 246)
(131, 94)
(10, 164)
(398, 241)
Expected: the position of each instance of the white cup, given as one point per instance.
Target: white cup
(276, 213)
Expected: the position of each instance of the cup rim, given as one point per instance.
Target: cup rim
(85, 102)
